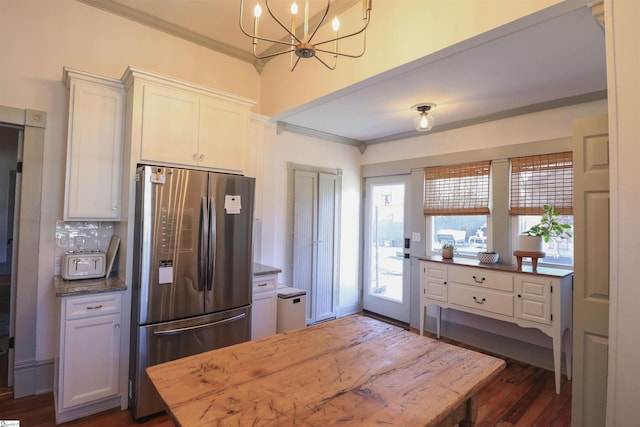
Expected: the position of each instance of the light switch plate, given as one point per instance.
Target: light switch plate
(415, 237)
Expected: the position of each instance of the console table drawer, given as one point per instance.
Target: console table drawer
(482, 278)
(481, 299)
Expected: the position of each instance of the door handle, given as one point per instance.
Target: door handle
(204, 229)
(196, 327)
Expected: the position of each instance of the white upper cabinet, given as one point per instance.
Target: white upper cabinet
(223, 137)
(169, 126)
(182, 124)
(94, 147)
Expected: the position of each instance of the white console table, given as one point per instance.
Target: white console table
(540, 299)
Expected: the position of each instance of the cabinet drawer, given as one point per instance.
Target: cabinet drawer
(481, 299)
(482, 278)
(92, 305)
(264, 283)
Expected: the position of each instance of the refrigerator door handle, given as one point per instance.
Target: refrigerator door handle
(196, 327)
(202, 250)
(212, 242)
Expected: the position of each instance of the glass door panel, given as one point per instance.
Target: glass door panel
(386, 282)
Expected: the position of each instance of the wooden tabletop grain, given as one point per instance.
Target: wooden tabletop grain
(350, 371)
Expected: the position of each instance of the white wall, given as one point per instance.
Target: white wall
(288, 147)
(544, 125)
(530, 128)
(37, 39)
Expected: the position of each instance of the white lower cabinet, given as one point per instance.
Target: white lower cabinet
(88, 364)
(264, 307)
(540, 299)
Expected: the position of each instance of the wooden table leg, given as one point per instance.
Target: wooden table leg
(519, 261)
(472, 412)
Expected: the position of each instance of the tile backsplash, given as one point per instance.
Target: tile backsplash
(78, 235)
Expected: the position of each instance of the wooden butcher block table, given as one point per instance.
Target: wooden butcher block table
(350, 371)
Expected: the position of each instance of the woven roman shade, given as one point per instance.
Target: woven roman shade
(540, 180)
(457, 189)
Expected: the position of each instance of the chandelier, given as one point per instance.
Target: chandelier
(299, 42)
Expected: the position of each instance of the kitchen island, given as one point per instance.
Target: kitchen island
(350, 371)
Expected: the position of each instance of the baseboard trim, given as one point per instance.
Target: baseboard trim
(33, 377)
(348, 310)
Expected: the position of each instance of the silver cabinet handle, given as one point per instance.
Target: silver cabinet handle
(201, 157)
(195, 157)
(479, 301)
(475, 279)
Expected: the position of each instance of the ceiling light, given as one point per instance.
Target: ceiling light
(298, 43)
(424, 121)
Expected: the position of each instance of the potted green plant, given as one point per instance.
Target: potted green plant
(548, 229)
(448, 249)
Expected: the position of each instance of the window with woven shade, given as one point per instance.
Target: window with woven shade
(540, 180)
(457, 189)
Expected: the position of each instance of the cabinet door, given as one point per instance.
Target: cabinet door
(435, 282)
(94, 151)
(90, 359)
(169, 126)
(533, 301)
(222, 138)
(264, 315)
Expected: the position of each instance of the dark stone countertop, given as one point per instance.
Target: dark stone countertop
(510, 268)
(263, 270)
(67, 288)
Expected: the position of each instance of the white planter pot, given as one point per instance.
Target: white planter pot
(530, 243)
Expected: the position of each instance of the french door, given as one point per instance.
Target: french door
(386, 270)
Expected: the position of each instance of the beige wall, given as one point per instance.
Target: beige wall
(401, 31)
(40, 37)
(623, 68)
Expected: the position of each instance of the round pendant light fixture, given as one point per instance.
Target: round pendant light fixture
(424, 121)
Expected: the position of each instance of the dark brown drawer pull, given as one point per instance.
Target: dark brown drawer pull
(479, 301)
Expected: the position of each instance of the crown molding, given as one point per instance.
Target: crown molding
(174, 30)
(301, 130)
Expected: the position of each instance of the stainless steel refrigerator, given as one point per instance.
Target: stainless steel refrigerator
(192, 270)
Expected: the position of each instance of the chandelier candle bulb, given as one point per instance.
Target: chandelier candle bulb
(257, 11)
(294, 12)
(306, 20)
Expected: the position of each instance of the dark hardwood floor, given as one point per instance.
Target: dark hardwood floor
(521, 395)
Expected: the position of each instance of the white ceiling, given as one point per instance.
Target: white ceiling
(553, 58)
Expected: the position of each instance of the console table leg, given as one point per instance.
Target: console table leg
(438, 319)
(423, 308)
(568, 351)
(557, 353)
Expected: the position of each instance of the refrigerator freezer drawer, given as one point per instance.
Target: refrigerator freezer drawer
(163, 342)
